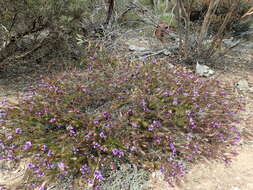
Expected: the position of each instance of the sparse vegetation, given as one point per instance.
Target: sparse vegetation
(86, 123)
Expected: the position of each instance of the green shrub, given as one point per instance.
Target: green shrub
(169, 19)
(85, 123)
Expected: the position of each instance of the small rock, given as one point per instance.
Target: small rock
(43, 34)
(137, 48)
(157, 175)
(230, 41)
(203, 70)
(243, 85)
(167, 52)
(170, 66)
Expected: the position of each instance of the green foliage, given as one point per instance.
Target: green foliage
(45, 8)
(168, 19)
(130, 19)
(146, 2)
(85, 123)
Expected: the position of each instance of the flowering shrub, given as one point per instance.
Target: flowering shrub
(85, 123)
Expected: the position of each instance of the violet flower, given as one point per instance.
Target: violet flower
(18, 131)
(27, 145)
(98, 175)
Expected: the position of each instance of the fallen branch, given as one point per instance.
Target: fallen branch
(29, 52)
(150, 53)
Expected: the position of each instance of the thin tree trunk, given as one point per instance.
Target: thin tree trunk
(110, 11)
(204, 28)
(179, 25)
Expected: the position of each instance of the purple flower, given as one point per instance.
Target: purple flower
(71, 130)
(227, 160)
(96, 145)
(120, 154)
(50, 153)
(76, 150)
(221, 136)
(90, 181)
(149, 78)
(3, 102)
(72, 133)
(163, 170)
(195, 93)
(206, 95)
(42, 187)
(41, 174)
(10, 156)
(170, 158)
(156, 124)
(11, 147)
(117, 152)
(46, 110)
(143, 103)
(106, 115)
(189, 135)
(168, 93)
(192, 123)
(2, 145)
(27, 145)
(130, 112)
(62, 167)
(135, 125)
(18, 131)
(98, 175)
(107, 125)
(30, 107)
(30, 165)
(236, 140)
(39, 113)
(44, 147)
(9, 137)
(31, 185)
(175, 102)
(172, 147)
(215, 124)
(52, 120)
(151, 128)
(93, 57)
(96, 122)
(85, 169)
(102, 135)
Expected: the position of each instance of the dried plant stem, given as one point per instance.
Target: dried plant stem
(204, 28)
(186, 17)
(218, 37)
(179, 25)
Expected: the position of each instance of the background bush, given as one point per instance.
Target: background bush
(86, 123)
